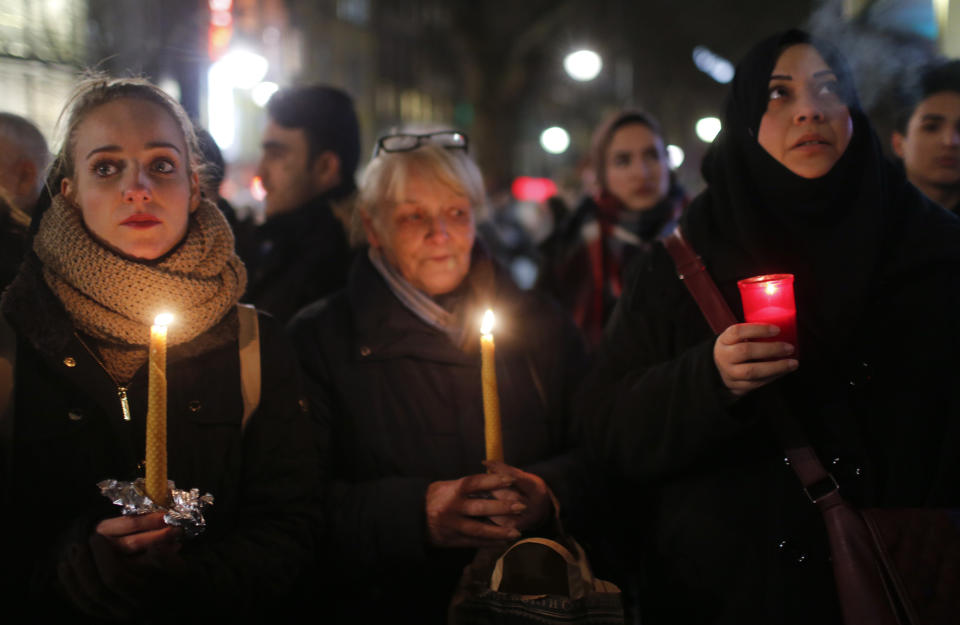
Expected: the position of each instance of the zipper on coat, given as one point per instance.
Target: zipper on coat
(121, 388)
(124, 404)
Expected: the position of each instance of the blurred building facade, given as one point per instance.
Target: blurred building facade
(43, 44)
(492, 68)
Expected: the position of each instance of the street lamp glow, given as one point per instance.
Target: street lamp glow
(555, 140)
(708, 128)
(583, 65)
(713, 65)
(261, 92)
(675, 156)
(241, 68)
(171, 87)
(237, 69)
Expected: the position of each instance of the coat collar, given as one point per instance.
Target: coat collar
(387, 329)
(315, 215)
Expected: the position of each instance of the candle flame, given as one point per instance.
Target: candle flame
(486, 327)
(163, 319)
(771, 288)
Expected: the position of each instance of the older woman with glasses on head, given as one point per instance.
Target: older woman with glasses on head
(394, 367)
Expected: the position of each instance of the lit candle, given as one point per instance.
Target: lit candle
(769, 299)
(491, 400)
(156, 450)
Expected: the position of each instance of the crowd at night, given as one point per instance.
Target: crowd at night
(359, 311)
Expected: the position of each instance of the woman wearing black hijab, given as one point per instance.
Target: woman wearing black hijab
(797, 184)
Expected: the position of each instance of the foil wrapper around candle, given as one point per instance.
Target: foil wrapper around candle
(185, 509)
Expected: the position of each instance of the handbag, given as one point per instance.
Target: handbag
(535, 580)
(892, 566)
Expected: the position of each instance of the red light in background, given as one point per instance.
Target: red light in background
(257, 190)
(529, 189)
(219, 40)
(221, 18)
(221, 27)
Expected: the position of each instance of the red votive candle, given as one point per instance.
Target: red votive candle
(769, 299)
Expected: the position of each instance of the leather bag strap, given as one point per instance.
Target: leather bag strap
(249, 345)
(693, 272)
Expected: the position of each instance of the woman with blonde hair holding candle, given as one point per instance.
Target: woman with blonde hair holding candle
(797, 184)
(126, 236)
(393, 365)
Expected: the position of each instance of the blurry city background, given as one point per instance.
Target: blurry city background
(503, 71)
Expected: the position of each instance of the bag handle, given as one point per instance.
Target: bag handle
(580, 578)
(248, 340)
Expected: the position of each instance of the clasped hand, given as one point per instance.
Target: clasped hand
(746, 364)
(485, 509)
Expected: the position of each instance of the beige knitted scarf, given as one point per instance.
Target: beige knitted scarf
(114, 299)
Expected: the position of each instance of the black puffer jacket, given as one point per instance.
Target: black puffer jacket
(402, 407)
(68, 433)
(295, 258)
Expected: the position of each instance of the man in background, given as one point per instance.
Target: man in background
(927, 138)
(310, 150)
(23, 161)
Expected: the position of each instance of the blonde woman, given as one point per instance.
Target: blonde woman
(394, 371)
(126, 236)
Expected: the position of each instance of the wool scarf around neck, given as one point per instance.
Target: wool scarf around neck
(415, 300)
(114, 299)
(447, 313)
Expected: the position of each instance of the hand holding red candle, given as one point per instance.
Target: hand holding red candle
(753, 354)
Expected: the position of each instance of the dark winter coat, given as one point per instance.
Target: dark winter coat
(68, 434)
(402, 407)
(295, 259)
(12, 247)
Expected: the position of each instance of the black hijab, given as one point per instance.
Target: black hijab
(838, 234)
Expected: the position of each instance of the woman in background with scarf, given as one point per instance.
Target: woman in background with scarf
(638, 202)
(797, 183)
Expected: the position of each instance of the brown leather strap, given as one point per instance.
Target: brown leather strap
(249, 345)
(694, 274)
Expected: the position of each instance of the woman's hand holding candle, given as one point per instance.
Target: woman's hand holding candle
(457, 511)
(138, 533)
(746, 363)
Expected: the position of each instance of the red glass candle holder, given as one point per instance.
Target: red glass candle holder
(769, 299)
